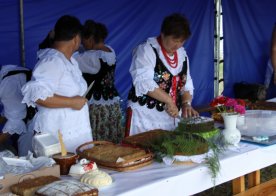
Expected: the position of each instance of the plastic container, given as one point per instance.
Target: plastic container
(257, 123)
(45, 144)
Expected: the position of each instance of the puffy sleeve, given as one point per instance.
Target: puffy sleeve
(189, 86)
(108, 57)
(45, 81)
(88, 61)
(142, 69)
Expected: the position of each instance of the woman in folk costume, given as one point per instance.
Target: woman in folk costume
(97, 63)
(57, 87)
(162, 85)
(15, 122)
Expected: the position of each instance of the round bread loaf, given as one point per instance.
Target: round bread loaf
(96, 178)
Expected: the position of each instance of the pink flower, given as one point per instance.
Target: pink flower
(226, 104)
(239, 108)
(230, 102)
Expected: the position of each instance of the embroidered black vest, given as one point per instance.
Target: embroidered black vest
(163, 78)
(104, 82)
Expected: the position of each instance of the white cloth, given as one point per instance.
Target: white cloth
(11, 97)
(89, 62)
(142, 72)
(55, 74)
(200, 158)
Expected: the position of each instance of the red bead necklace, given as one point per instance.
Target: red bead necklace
(172, 62)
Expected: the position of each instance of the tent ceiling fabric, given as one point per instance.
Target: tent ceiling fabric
(248, 26)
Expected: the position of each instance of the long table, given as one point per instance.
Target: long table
(160, 179)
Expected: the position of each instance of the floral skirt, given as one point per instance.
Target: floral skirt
(106, 122)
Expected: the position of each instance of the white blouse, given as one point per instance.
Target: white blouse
(142, 72)
(11, 97)
(54, 74)
(89, 62)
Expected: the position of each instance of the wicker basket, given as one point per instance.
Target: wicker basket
(105, 155)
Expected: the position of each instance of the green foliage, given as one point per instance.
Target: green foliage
(212, 161)
(213, 165)
(179, 143)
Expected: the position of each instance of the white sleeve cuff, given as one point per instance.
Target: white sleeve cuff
(33, 91)
(14, 126)
(144, 86)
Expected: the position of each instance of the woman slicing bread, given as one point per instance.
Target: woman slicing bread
(162, 85)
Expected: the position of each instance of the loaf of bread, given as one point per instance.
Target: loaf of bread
(111, 153)
(29, 186)
(96, 178)
(67, 188)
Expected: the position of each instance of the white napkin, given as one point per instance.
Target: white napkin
(194, 158)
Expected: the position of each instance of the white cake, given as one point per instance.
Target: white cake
(96, 178)
(82, 167)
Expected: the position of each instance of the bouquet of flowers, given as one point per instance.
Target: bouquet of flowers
(227, 105)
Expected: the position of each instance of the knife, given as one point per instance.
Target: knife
(88, 89)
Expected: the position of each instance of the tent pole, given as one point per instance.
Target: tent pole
(217, 46)
(22, 35)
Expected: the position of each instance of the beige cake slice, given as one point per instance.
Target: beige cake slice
(29, 186)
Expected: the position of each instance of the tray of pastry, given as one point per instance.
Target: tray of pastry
(115, 157)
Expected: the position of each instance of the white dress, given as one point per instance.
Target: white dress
(54, 74)
(11, 97)
(15, 111)
(142, 72)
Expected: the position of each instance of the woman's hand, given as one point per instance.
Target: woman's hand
(171, 109)
(188, 111)
(78, 102)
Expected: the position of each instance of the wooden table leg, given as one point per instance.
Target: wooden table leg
(238, 185)
(254, 178)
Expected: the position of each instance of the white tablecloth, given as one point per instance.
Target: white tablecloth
(160, 179)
